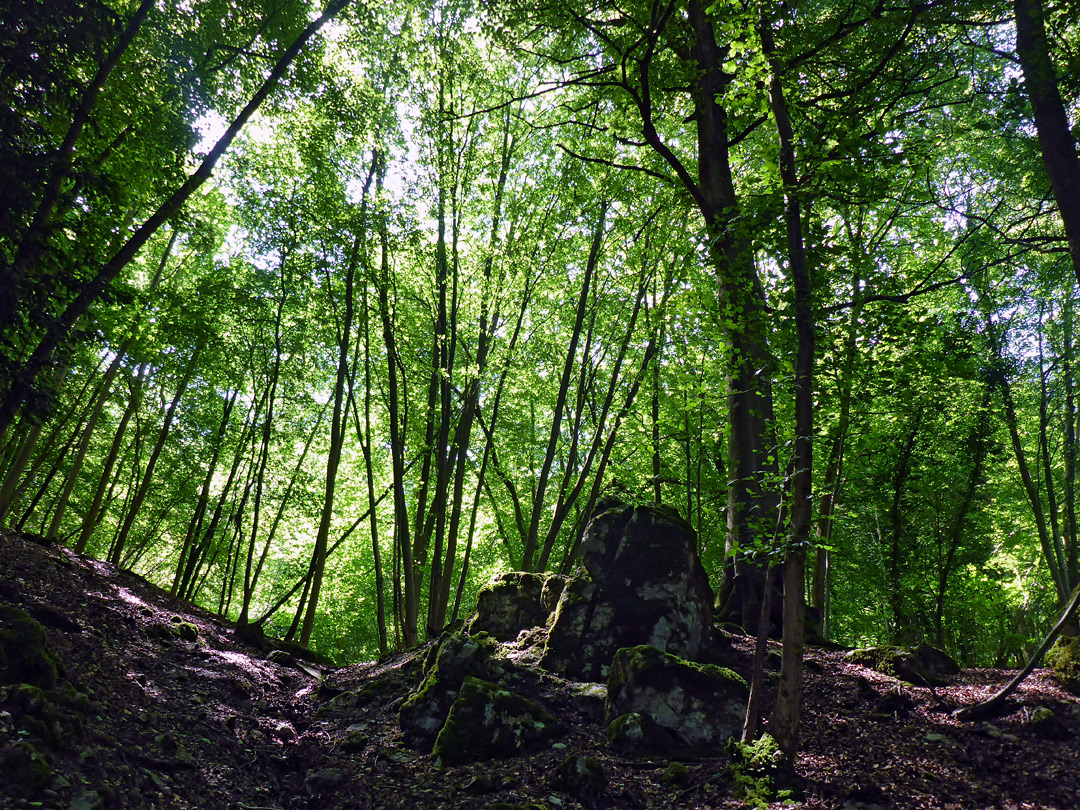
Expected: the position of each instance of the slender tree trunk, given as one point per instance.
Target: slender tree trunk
(1070, 445)
(337, 438)
(143, 489)
(408, 601)
(251, 576)
(1044, 456)
(94, 513)
(196, 522)
(13, 474)
(532, 537)
(1001, 381)
(785, 721)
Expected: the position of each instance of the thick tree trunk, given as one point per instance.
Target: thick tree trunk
(1056, 140)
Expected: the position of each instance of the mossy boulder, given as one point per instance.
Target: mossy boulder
(487, 721)
(643, 584)
(701, 706)
(1064, 659)
(1047, 725)
(23, 769)
(580, 777)
(456, 656)
(920, 665)
(24, 650)
(513, 602)
(634, 732)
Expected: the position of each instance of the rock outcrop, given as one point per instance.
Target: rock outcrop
(660, 703)
(643, 584)
(921, 665)
(515, 601)
(455, 658)
(487, 721)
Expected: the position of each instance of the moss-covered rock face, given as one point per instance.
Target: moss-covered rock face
(24, 650)
(917, 665)
(487, 721)
(457, 656)
(515, 601)
(1064, 659)
(644, 584)
(700, 705)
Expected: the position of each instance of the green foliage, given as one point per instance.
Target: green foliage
(753, 771)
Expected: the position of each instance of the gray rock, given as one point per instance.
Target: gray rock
(919, 665)
(323, 781)
(701, 706)
(643, 584)
(423, 713)
(487, 721)
(515, 601)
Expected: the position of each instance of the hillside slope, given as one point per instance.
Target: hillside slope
(158, 704)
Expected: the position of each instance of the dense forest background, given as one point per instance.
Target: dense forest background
(321, 317)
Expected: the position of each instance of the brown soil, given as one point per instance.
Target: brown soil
(211, 723)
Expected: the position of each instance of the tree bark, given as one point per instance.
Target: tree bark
(1056, 140)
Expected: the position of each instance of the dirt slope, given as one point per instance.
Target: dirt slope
(143, 716)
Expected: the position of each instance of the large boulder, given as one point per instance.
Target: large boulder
(457, 657)
(515, 601)
(1064, 659)
(487, 721)
(643, 584)
(678, 704)
(921, 665)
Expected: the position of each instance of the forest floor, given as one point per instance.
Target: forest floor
(210, 723)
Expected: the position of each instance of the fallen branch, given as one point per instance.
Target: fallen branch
(992, 705)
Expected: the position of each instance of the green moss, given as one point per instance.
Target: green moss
(24, 653)
(676, 774)
(1064, 659)
(487, 721)
(753, 770)
(188, 631)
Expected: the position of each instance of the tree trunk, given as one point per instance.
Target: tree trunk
(1056, 140)
(143, 489)
(784, 724)
(94, 513)
(337, 439)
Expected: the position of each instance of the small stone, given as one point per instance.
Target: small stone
(676, 774)
(355, 742)
(1048, 725)
(188, 631)
(323, 780)
(87, 800)
(581, 778)
(285, 732)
